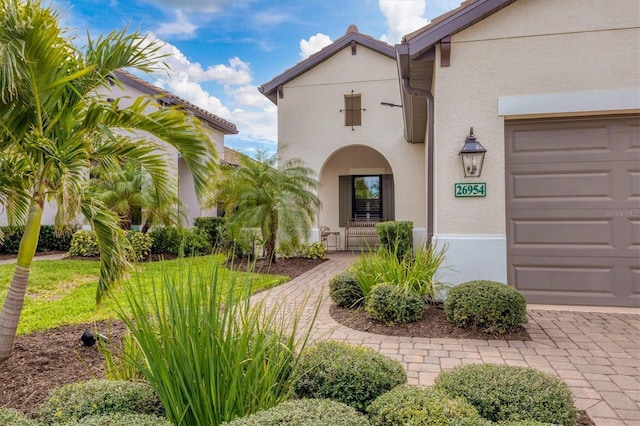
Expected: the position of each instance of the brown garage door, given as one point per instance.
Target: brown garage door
(573, 210)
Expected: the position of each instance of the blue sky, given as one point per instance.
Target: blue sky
(222, 50)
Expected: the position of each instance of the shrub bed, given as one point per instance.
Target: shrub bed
(72, 402)
(140, 245)
(411, 405)
(305, 412)
(345, 290)
(492, 307)
(354, 375)
(392, 304)
(510, 393)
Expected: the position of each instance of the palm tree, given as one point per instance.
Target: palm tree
(281, 200)
(131, 194)
(54, 128)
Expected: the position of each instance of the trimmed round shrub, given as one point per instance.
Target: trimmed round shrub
(411, 405)
(506, 392)
(84, 243)
(165, 240)
(140, 245)
(123, 419)
(490, 306)
(77, 400)
(392, 304)
(354, 375)
(305, 412)
(345, 290)
(11, 417)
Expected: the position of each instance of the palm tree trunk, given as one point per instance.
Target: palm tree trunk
(12, 306)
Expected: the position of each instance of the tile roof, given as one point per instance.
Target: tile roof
(227, 127)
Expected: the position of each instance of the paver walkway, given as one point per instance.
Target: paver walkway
(596, 354)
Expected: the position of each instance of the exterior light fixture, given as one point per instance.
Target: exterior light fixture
(472, 154)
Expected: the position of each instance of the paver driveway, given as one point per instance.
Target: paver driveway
(597, 354)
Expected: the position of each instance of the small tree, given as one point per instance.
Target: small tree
(54, 128)
(279, 199)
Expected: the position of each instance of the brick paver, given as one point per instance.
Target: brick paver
(596, 354)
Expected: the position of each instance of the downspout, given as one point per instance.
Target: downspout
(406, 86)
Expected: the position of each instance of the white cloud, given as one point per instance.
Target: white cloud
(314, 44)
(181, 68)
(253, 114)
(402, 18)
(180, 27)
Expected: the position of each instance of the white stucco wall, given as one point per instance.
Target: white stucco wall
(311, 127)
(532, 47)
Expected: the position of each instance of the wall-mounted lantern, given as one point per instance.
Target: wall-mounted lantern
(472, 154)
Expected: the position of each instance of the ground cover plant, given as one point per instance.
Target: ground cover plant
(62, 292)
(209, 352)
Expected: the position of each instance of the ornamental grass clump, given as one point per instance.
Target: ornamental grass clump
(345, 291)
(354, 375)
(510, 393)
(411, 405)
(72, 402)
(210, 354)
(415, 272)
(391, 304)
(489, 306)
(305, 412)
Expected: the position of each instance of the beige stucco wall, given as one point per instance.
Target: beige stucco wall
(311, 127)
(530, 47)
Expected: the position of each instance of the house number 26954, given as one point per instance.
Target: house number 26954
(470, 190)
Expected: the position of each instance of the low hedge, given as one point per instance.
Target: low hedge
(392, 304)
(47, 240)
(510, 393)
(490, 306)
(305, 412)
(354, 375)
(140, 245)
(345, 290)
(177, 241)
(72, 402)
(411, 405)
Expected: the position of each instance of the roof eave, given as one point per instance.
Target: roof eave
(270, 88)
(453, 24)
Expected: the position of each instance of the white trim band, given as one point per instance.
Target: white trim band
(571, 102)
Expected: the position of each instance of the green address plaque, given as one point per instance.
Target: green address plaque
(463, 190)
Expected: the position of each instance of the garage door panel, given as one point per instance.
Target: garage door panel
(573, 210)
(576, 280)
(574, 232)
(555, 141)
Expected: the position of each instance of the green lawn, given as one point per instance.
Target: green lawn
(62, 292)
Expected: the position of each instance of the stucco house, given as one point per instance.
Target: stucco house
(552, 92)
(130, 88)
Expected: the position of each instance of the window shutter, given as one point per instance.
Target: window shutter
(345, 199)
(353, 111)
(357, 111)
(388, 198)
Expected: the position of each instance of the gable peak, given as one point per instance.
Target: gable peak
(352, 29)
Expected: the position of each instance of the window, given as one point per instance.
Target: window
(355, 191)
(367, 197)
(352, 110)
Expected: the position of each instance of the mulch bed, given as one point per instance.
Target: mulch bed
(433, 324)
